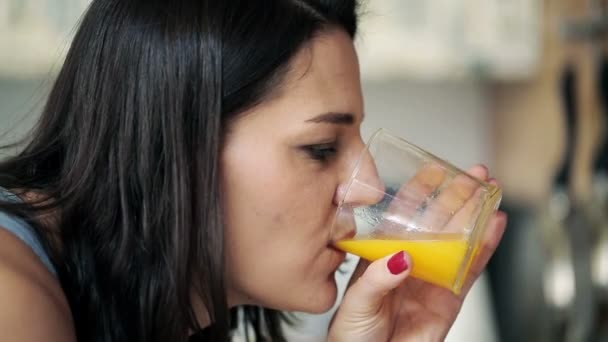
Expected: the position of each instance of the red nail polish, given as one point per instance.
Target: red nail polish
(397, 263)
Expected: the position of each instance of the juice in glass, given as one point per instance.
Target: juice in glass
(438, 258)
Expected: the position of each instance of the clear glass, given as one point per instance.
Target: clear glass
(401, 197)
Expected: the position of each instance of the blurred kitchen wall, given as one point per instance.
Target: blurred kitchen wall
(34, 37)
(20, 104)
(449, 118)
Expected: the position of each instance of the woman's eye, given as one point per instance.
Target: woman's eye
(321, 152)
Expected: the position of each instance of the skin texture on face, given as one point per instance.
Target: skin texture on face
(284, 164)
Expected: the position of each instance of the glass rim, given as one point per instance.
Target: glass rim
(492, 189)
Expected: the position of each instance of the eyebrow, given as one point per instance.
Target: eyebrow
(334, 118)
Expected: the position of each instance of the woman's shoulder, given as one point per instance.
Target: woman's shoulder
(34, 307)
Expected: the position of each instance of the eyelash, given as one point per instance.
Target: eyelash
(321, 152)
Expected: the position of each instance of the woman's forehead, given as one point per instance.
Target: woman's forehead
(323, 78)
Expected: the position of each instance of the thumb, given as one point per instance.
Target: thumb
(381, 276)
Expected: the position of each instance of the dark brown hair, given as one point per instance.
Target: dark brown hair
(127, 149)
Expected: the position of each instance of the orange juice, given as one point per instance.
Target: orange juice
(437, 261)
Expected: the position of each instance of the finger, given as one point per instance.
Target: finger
(426, 180)
(458, 191)
(462, 219)
(416, 191)
(412, 196)
(365, 295)
(454, 196)
(489, 243)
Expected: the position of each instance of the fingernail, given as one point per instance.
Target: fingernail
(397, 263)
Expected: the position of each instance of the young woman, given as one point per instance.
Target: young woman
(188, 163)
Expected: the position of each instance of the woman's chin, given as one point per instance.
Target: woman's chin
(320, 300)
(320, 309)
(323, 300)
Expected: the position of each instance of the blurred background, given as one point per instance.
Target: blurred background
(520, 85)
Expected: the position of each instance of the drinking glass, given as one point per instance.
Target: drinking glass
(401, 197)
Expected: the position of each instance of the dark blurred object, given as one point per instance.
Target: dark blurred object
(595, 28)
(592, 27)
(597, 209)
(541, 273)
(516, 279)
(580, 320)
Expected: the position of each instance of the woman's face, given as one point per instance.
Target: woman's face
(284, 164)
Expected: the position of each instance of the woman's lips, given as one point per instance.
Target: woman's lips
(348, 235)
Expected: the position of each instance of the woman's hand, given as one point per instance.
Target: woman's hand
(383, 304)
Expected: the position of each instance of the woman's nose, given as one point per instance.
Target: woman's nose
(366, 188)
